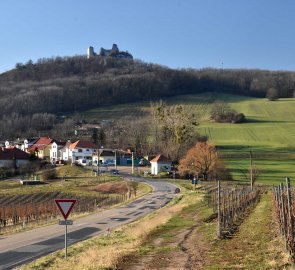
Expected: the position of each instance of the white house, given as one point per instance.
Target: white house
(27, 144)
(80, 152)
(55, 151)
(160, 164)
(108, 157)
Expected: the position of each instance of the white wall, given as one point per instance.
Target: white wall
(157, 167)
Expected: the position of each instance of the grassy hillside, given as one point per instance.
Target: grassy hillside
(269, 131)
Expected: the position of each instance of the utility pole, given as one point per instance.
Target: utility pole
(251, 171)
(218, 210)
(132, 168)
(115, 159)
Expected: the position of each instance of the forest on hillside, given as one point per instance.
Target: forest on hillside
(33, 94)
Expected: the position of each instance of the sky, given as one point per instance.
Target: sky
(173, 33)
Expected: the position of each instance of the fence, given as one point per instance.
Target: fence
(18, 213)
(285, 204)
(229, 204)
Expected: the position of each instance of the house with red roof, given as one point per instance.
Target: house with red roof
(41, 148)
(12, 157)
(160, 164)
(80, 152)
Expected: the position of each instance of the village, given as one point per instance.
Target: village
(20, 154)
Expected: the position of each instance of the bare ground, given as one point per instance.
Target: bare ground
(175, 250)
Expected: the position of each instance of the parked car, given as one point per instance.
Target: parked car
(114, 171)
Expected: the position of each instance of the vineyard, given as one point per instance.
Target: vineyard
(20, 211)
(229, 204)
(285, 209)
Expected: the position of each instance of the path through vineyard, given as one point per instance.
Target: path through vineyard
(257, 245)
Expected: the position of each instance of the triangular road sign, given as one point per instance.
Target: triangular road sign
(65, 206)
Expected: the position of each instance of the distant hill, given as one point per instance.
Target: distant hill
(57, 85)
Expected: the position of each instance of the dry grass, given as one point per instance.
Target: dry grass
(142, 228)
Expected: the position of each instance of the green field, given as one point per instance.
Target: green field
(269, 131)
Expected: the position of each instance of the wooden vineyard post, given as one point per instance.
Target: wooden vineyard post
(218, 211)
(251, 171)
(283, 209)
(284, 216)
(279, 200)
(289, 209)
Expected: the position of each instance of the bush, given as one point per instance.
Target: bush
(223, 113)
(48, 174)
(272, 94)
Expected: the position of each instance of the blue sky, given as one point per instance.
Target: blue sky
(174, 33)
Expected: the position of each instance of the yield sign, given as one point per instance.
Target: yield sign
(65, 206)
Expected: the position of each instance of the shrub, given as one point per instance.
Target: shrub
(272, 94)
(223, 113)
(48, 174)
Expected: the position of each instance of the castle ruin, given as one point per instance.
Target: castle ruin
(113, 52)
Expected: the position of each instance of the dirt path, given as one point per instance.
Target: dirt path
(178, 245)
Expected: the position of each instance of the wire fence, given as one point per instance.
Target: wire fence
(285, 210)
(230, 205)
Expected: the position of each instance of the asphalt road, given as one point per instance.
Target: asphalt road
(21, 248)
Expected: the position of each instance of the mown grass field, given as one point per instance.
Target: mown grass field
(269, 131)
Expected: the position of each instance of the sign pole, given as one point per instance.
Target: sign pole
(66, 244)
(65, 207)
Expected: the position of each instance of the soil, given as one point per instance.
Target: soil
(184, 250)
(107, 188)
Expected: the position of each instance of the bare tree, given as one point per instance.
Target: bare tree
(175, 127)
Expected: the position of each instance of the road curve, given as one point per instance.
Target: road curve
(21, 248)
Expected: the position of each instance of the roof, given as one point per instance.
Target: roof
(107, 153)
(60, 143)
(40, 144)
(83, 144)
(161, 158)
(13, 152)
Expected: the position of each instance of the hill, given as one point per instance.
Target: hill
(269, 131)
(34, 94)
